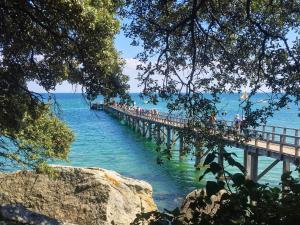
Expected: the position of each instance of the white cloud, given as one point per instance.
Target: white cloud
(64, 87)
(131, 63)
(131, 72)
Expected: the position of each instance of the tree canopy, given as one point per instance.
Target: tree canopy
(195, 50)
(193, 47)
(49, 42)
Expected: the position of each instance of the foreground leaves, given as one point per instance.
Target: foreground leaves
(36, 141)
(50, 42)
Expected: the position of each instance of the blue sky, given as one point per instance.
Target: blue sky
(128, 53)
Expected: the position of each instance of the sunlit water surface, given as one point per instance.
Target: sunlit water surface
(102, 141)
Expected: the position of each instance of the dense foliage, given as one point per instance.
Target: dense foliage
(36, 141)
(49, 42)
(249, 203)
(194, 47)
(196, 50)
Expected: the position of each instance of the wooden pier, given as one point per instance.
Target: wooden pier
(279, 143)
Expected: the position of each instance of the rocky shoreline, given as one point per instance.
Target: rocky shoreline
(73, 195)
(85, 196)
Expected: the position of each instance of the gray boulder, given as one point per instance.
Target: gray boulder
(187, 211)
(18, 215)
(78, 195)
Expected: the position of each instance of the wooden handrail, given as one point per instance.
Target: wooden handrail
(179, 121)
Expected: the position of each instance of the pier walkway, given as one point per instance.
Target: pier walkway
(279, 143)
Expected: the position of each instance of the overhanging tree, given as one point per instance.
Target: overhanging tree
(221, 46)
(50, 42)
(195, 50)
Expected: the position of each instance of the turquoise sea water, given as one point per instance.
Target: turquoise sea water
(102, 141)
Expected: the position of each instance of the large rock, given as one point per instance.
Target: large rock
(189, 213)
(78, 195)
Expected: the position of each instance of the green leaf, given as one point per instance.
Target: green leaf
(209, 158)
(212, 188)
(238, 179)
(231, 161)
(240, 166)
(215, 168)
(296, 188)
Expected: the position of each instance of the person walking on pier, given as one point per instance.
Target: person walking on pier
(212, 120)
(237, 123)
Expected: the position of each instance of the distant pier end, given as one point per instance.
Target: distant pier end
(96, 106)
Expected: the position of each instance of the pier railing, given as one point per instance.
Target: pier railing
(275, 138)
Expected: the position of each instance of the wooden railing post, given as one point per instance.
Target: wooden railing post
(268, 140)
(273, 133)
(297, 146)
(256, 138)
(284, 132)
(281, 143)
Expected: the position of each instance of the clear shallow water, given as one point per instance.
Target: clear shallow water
(102, 141)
